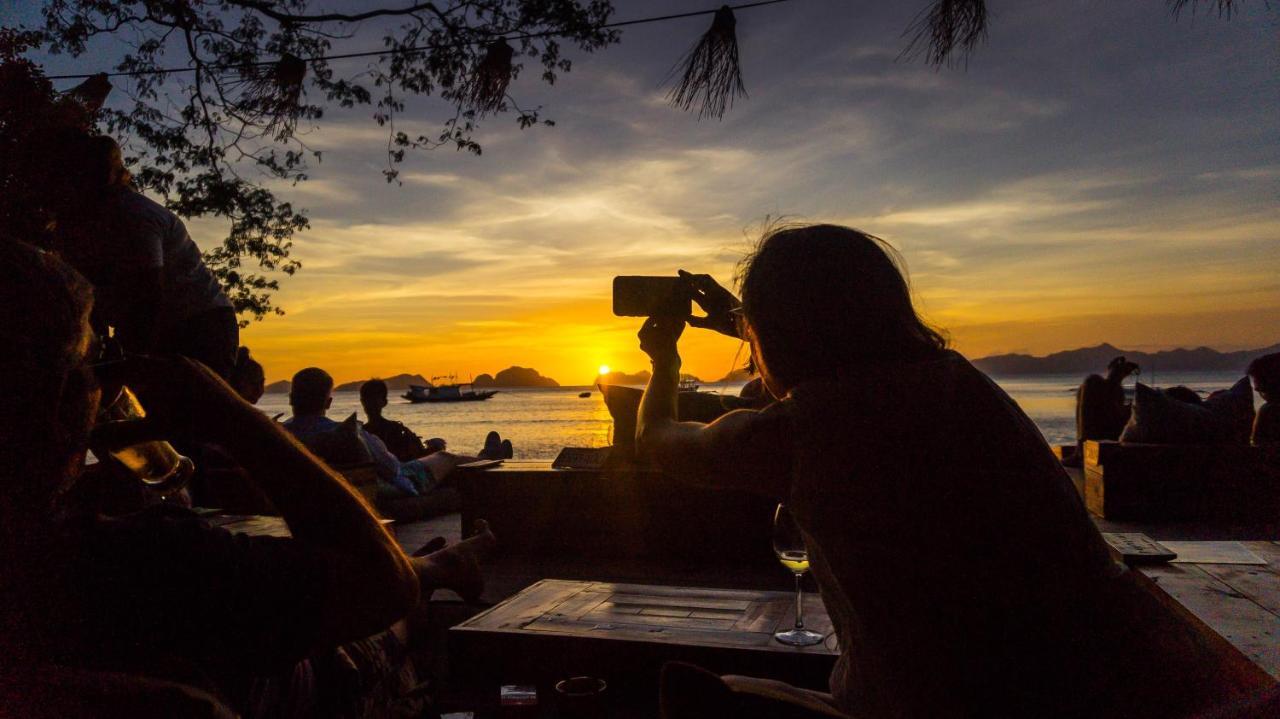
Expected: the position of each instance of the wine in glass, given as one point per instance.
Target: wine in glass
(788, 544)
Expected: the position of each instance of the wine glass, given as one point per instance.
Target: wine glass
(788, 544)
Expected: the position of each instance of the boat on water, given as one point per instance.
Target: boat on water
(687, 385)
(446, 393)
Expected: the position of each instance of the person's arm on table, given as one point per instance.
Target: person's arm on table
(743, 449)
(372, 583)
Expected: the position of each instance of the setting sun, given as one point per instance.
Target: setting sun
(604, 369)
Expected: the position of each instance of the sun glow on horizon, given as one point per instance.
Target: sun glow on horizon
(604, 370)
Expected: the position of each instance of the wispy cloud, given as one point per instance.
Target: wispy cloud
(1063, 190)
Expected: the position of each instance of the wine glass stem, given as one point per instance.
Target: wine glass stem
(799, 602)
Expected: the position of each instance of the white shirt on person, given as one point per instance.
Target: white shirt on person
(137, 233)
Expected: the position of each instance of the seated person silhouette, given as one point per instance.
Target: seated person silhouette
(959, 567)
(1101, 410)
(1265, 373)
(403, 442)
(267, 626)
(310, 397)
(150, 280)
(247, 377)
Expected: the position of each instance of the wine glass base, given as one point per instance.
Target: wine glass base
(798, 638)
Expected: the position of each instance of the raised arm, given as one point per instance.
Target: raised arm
(372, 584)
(744, 449)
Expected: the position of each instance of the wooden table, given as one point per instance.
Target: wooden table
(624, 632)
(1240, 602)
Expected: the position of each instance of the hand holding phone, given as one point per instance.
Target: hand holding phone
(720, 305)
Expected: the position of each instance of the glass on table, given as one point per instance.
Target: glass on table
(788, 545)
(154, 462)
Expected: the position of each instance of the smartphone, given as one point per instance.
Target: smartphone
(636, 296)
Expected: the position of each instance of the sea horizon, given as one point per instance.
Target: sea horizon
(540, 421)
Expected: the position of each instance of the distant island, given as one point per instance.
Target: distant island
(619, 377)
(737, 375)
(1094, 359)
(641, 377)
(515, 377)
(400, 381)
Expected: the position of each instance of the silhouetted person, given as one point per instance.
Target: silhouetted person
(1265, 373)
(150, 281)
(310, 396)
(1101, 410)
(247, 377)
(403, 442)
(162, 594)
(960, 569)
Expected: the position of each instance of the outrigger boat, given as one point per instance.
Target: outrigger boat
(446, 393)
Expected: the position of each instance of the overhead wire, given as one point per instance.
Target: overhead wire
(417, 48)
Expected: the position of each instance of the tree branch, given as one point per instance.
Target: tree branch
(267, 9)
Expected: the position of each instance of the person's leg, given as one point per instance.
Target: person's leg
(1096, 410)
(442, 464)
(689, 692)
(457, 566)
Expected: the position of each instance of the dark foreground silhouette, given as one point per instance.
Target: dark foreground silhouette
(155, 610)
(957, 562)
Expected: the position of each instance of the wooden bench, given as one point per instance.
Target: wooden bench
(625, 512)
(364, 478)
(1164, 482)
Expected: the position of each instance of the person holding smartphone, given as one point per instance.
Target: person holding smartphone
(960, 569)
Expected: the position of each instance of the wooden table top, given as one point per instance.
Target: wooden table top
(655, 614)
(1241, 602)
(1238, 601)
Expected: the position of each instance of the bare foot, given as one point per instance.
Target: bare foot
(435, 545)
(457, 567)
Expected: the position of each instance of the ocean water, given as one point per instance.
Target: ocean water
(539, 422)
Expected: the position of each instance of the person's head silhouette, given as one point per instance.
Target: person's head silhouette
(1265, 373)
(373, 397)
(247, 377)
(821, 299)
(45, 375)
(311, 392)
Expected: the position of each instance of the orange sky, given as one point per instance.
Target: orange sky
(1108, 175)
(1089, 177)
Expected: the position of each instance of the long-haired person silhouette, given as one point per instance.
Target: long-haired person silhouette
(958, 564)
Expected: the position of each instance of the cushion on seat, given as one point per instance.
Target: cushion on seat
(1158, 418)
(1235, 405)
(341, 446)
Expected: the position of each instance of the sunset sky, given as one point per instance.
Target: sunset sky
(1099, 172)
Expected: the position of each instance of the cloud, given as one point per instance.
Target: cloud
(1064, 177)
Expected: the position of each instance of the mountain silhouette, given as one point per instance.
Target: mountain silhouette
(1086, 360)
(400, 381)
(515, 377)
